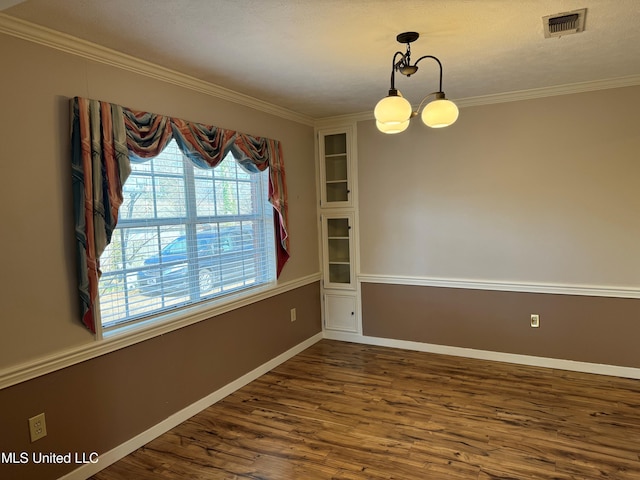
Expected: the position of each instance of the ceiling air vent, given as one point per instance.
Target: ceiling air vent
(564, 23)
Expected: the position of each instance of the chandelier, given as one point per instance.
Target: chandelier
(394, 112)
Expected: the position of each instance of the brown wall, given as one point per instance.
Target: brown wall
(588, 329)
(101, 403)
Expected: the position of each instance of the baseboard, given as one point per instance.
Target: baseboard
(121, 451)
(556, 363)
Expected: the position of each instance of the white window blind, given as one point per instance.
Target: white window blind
(185, 235)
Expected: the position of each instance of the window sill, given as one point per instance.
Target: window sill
(168, 321)
(141, 332)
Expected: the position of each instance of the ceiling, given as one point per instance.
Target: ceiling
(323, 58)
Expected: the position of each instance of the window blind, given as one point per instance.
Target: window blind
(185, 235)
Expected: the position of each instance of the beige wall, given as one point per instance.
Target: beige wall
(37, 279)
(537, 191)
(127, 391)
(541, 192)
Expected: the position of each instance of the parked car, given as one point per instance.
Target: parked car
(224, 257)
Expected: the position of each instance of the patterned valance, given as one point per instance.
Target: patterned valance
(105, 136)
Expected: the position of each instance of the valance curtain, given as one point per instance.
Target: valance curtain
(105, 136)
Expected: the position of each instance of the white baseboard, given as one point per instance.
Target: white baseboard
(559, 364)
(121, 451)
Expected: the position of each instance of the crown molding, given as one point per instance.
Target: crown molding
(97, 53)
(515, 96)
(568, 89)
(82, 48)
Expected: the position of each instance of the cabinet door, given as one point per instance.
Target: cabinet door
(340, 312)
(335, 168)
(337, 251)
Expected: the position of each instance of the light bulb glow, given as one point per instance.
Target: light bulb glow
(440, 113)
(392, 128)
(392, 110)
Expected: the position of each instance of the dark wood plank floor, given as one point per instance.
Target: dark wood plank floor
(348, 411)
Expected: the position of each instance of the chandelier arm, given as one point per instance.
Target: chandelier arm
(393, 68)
(439, 64)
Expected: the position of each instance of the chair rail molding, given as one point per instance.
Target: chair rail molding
(506, 285)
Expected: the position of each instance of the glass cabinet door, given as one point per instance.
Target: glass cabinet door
(337, 251)
(335, 169)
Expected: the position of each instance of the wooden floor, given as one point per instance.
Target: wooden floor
(348, 411)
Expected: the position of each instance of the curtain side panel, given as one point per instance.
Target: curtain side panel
(99, 163)
(83, 222)
(278, 198)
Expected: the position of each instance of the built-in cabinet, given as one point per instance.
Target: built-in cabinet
(340, 312)
(338, 228)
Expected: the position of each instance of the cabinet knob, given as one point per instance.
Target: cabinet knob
(353, 313)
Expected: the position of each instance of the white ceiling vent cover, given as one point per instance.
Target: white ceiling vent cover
(564, 23)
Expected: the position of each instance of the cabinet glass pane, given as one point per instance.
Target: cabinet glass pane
(336, 168)
(339, 273)
(339, 250)
(338, 227)
(337, 192)
(334, 144)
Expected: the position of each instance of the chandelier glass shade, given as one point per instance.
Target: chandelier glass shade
(439, 113)
(393, 109)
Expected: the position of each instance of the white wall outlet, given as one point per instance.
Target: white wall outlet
(37, 427)
(293, 314)
(535, 320)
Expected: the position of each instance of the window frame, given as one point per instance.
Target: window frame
(200, 304)
(104, 136)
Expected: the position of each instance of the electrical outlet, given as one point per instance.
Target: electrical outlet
(535, 320)
(293, 314)
(37, 427)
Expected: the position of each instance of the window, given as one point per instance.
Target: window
(185, 235)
